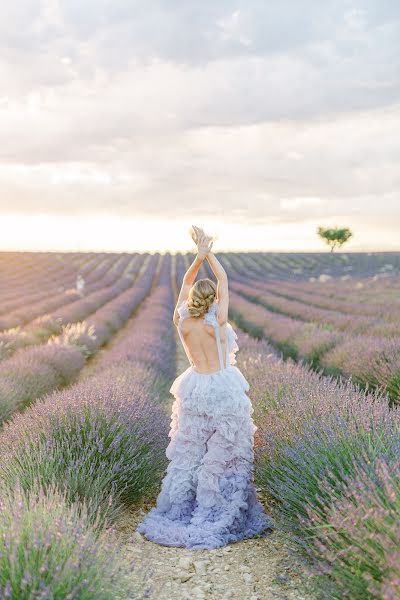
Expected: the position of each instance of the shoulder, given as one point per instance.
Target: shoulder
(212, 316)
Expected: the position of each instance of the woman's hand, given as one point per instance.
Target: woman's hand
(196, 232)
(204, 242)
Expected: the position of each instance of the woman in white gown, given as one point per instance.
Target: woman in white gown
(207, 497)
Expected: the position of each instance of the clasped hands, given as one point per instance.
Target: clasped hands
(203, 242)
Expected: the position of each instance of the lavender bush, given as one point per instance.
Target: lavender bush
(295, 339)
(81, 335)
(101, 441)
(370, 361)
(29, 306)
(11, 340)
(70, 307)
(48, 550)
(304, 312)
(34, 372)
(357, 539)
(316, 436)
(309, 424)
(38, 370)
(350, 301)
(150, 340)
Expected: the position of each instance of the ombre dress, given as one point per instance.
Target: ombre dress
(207, 497)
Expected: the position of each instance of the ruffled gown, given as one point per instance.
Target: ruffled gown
(207, 497)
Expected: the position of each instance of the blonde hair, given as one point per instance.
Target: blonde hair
(202, 294)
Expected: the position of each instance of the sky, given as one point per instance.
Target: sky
(124, 122)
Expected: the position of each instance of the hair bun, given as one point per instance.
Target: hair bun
(201, 296)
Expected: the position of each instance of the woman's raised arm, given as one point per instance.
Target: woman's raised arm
(216, 267)
(222, 279)
(222, 287)
(203, 247)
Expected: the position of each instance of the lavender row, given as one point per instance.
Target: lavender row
(56, 281)
(122, 397)
(295, 266)
(294, 338)
(21, 268)
(368, 289)
(49, 549)
(368, 360)
(352, 302)
(57, 275)
(55, 289)
(350, 323)
(41, 328)
(35, 371)
(372, 361)
(150, 340)
(27, 312)
(328, 454)
(98, 445)
(31, 286)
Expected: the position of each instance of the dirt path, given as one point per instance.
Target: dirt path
(255, 569)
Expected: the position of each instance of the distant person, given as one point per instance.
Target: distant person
(80, 285)
(208, 498)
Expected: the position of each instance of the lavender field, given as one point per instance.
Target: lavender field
(84, 414)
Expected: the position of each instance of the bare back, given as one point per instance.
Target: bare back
(201, 343)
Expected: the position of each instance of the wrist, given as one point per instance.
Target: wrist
(200, 256)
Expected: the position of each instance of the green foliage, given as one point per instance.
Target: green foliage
(335, 236)
(49, 550)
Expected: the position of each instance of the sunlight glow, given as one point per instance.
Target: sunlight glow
(112, 233)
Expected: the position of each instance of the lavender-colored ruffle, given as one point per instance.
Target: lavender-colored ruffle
(207, 497)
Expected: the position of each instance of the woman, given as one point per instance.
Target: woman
(207, 498)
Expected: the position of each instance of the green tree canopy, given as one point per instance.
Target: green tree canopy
(334, 236)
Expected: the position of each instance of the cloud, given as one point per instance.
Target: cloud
(296, 203)
(231, 29)
(258, 111)
(220, 170)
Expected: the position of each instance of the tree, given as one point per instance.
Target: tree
(335, 236)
